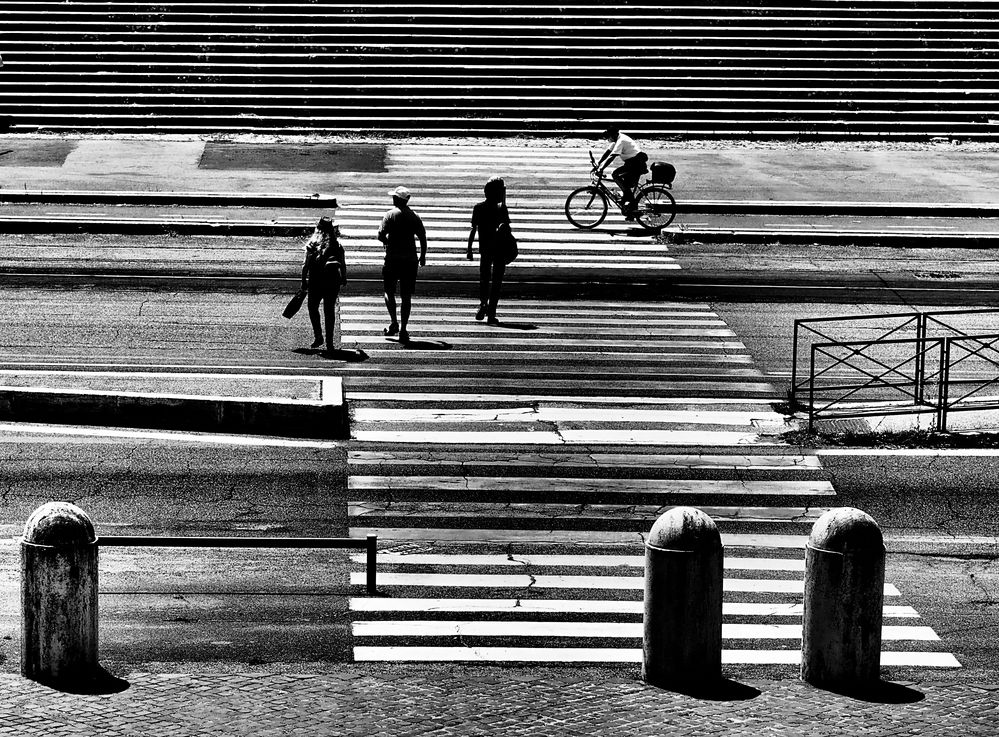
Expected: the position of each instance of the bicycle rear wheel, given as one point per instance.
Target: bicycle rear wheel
(656, 207)
(586, 207)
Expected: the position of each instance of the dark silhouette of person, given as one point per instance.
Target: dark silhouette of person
(488, 217)
(323, 274)
(399, 230)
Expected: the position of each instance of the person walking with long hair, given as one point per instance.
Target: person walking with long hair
(488, 218)
(323, 274)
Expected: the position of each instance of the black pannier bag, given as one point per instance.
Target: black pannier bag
(663, 173)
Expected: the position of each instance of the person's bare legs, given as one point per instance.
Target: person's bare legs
(393, 322)
(329, 314)
(317, 328)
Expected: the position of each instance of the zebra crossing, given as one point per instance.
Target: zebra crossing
(511, 473)
(447, 181)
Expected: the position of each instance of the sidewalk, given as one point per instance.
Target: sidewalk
(365, 701)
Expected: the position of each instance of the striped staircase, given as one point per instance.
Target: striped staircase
(510, 473)
(825, 68)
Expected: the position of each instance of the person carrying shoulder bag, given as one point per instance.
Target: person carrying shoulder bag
(497, 246)
(323, 274)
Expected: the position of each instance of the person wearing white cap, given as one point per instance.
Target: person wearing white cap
(399, 230)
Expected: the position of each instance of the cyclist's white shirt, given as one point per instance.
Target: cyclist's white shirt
(624, 147)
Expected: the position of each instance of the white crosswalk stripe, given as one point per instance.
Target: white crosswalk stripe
(552, 447)
(364, 653)
(584, 606)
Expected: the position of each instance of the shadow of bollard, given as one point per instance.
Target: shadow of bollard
(100, 683)
(881, 692)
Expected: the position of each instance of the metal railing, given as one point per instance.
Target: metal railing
(940, 368)
(369, 543)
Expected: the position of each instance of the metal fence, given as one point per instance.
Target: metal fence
(909, 363)
(369, 543)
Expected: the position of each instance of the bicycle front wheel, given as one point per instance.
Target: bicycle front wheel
(586, 207)
(656, 208)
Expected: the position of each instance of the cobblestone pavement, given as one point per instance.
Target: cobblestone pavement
(481, 701)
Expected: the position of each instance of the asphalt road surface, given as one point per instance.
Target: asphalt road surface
(939, 512)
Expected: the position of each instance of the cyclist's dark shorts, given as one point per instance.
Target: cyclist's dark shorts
(403, 272)
(637, 164)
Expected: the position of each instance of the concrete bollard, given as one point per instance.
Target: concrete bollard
(844, 593)
(683, 601)
(59, 595)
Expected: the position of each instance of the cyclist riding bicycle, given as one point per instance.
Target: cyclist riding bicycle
(634, 165)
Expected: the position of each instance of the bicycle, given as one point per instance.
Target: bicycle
(587, 207)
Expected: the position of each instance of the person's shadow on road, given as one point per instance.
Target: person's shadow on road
(514, 325)
(348, 355)
(426, 345)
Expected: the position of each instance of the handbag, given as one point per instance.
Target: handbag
(506, 243)
(295, 304)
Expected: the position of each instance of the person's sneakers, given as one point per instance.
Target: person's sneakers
(392, 329)
(492, 320)
(481, 312)
(403, 336)
(317, 343)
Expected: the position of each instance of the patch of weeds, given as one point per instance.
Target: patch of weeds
(893, 439)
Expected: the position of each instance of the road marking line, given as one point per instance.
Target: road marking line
(616, 655)
(620, 583)
(549, 510)
(574, 561)
(566, 437)
(584, 606)
(547, 398)
(784, 463)
(922, 452)
(618, 630)
(609, 537)
(547, 484)
(569, 414)
(16, 428)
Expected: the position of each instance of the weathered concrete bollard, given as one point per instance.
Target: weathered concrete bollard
(59, 595)
(683, 600)
(844, 593)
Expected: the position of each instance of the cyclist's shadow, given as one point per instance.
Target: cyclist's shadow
(629, 231)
